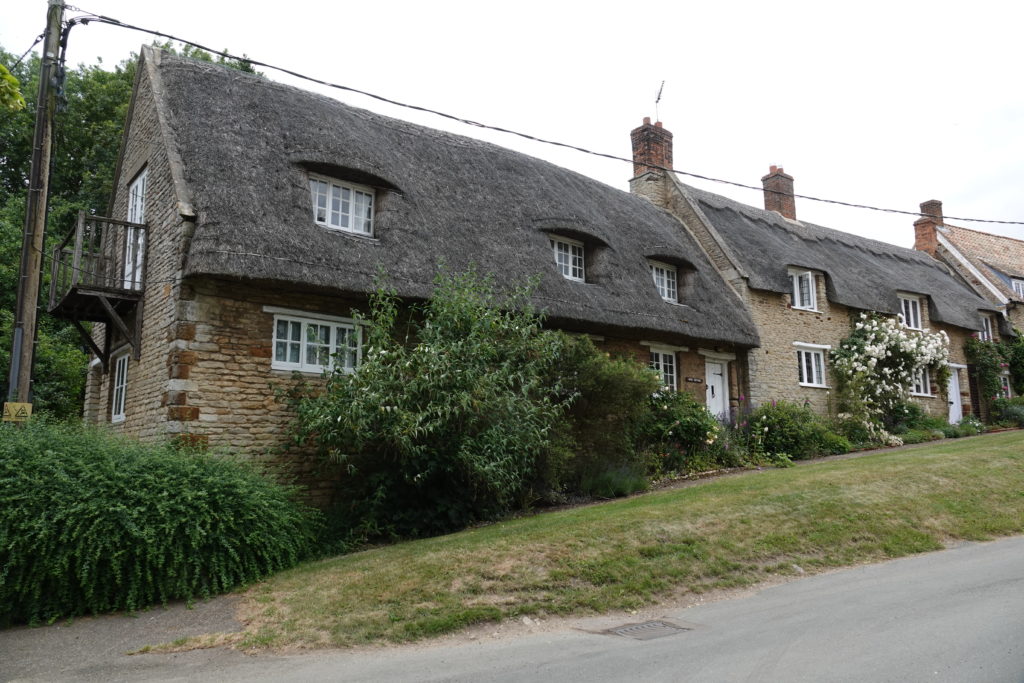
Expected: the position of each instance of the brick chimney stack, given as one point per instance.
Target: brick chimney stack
(778, 192)
(926, 227)
(652, 147)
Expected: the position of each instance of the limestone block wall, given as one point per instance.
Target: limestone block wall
(144, 149)
(773, 366)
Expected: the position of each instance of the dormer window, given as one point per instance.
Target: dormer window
(803, 290)
(666, 281)
(569, 258)
(910, 312)
(341, 205)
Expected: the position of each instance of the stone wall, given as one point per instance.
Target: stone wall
(148, 377)
(773, 366)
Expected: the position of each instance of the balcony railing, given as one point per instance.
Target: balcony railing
(100, 257)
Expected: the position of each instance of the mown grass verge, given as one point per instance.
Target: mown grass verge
(726, 533)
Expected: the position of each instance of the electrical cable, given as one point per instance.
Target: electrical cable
(38, 39)
(469, 122)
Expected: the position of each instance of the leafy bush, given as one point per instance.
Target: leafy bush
(679, 432)
(781, 427)
(1009, 411)
(969, 426)
(447, 417)
(93, 523)
(921, 435)
(910, 415)
(596, 433)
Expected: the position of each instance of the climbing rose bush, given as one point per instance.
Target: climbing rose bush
(875, 366)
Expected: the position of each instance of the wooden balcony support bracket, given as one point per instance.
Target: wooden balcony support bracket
(133, 336)
(102, 354)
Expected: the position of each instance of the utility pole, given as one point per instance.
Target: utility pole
(29, 279)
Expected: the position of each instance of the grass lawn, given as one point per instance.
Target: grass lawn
(626, 554)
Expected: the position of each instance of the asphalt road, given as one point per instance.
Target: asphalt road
(955, 615)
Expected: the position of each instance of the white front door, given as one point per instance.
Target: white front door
(716, 387)
(956, 406)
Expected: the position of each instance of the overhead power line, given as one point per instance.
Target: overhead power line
(90, 17)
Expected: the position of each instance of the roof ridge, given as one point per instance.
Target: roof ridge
(982, 232)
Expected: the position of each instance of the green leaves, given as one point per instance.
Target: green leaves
(10, 91)
(93, 523)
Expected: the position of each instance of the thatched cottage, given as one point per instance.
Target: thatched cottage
(804, 285)
(250, 218)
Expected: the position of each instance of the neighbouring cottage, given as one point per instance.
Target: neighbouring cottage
(805, 285)
(250, 218)
(992, 264)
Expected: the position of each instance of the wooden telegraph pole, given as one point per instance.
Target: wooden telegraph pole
(24, 334)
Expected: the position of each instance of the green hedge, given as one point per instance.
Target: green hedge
(92, 523)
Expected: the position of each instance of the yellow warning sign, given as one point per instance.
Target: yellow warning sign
(17, 412)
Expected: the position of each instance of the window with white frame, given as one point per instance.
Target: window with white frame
(810, 361)
(137, 199)
(342, 206)
(135, 238)
(120, 388)
(666, 279)
(1018, 286)
(804, 291)
(921, 383)
(910, 312)
(569, 258)
(1004, 387)
(986, 328)
(315, 344)
(664, 363)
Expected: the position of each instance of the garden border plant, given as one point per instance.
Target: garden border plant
(874, 366)
(94, 522)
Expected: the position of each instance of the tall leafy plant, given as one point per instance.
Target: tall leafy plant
(446, 417)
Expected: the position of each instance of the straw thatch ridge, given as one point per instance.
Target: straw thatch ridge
(860, 273)
(247, 145)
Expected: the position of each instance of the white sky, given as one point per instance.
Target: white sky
(884, 103)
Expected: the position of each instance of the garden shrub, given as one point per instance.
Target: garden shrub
(679, 434)
(447, 417)
(595, 435)
(782, 427)
(969, 426)
(1009, 411)
(92, 523)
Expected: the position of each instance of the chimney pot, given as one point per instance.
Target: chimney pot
(652, 148)
(778, 192)
(926, 237)
(933, 207)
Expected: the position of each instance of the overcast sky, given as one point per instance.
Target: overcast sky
(882, 103)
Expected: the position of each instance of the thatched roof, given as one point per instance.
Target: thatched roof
(246, 145)
(860, 273)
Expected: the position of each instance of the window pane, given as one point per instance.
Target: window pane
(819, 375)
(805, 291)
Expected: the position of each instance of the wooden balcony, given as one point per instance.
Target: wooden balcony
(98, 275)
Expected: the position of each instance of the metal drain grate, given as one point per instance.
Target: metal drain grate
(648, 630)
